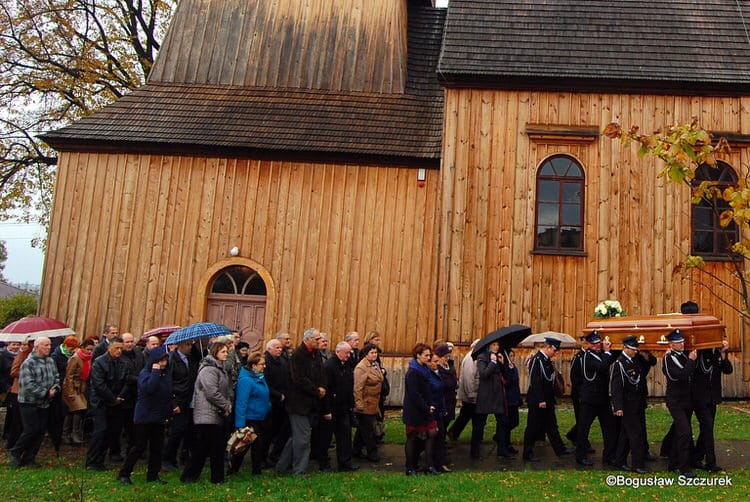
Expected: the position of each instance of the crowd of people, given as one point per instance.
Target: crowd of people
(179, 404)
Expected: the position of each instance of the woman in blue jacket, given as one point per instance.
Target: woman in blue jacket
(152, 409)
(419, 410)
(252, 405)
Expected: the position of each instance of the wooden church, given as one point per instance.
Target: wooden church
(427, 173)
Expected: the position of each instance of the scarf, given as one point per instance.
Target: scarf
(86, 368)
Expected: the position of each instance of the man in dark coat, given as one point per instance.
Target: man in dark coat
(338, 404)
(106, 395)
(678, 367)
(183, 366)
(595, 400)
(134, 361)
(307, 386)
(277, 377)
(624, 388)
(541, 400)
(645, 360)
(711, 364)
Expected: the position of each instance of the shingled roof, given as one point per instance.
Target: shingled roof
(285, 123)
(674, 46)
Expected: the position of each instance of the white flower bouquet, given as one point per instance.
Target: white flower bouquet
(609, 308)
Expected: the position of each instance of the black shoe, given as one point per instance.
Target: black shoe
(531, 458)
(625, 467)
(348, 468)
(432, 470)
(640, 470)
(411, 472)
(714, 468)
(14, 460)
(116, 458)
(584, 461)
(512, 450)
(358, 454)
(373, 457)
(698, 465)
(96, 467)
(566, 451)
(651, 457)
(125, 480)
(688, 474)
(590, 451)
(325, 468)
(156, 480)
(32, 463)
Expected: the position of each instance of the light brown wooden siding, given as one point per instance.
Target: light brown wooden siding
(287, 43)
(347, 247)
(636, 228)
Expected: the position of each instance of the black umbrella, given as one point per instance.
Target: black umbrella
(509, 336)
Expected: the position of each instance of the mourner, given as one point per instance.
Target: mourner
(710, 365)
(595, 400)
(540, 397)
(624, 388)
(678, 367)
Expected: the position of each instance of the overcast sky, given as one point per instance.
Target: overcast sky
(24, 264)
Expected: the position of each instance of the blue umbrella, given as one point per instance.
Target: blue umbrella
(197, 330)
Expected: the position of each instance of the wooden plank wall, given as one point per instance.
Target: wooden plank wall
(287, 43)
(636, 228)
(347, 247)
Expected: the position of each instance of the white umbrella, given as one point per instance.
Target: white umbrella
(566, 341)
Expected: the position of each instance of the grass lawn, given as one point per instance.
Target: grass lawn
(66, 480)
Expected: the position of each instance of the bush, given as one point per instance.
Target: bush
(15, 308)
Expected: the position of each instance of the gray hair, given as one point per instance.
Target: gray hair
(270, 343)
(350, 335)
(281, 334)
(309, 333)
(342, 346)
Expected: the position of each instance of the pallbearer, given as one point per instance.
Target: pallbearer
(625, 393)
(678, 368)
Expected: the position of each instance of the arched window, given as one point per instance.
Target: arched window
(710, 239)
(559, 206)
(239, 280)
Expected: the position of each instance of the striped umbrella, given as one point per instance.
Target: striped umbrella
(197, 330)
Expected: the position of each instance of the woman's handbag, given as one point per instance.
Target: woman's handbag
(240, 440)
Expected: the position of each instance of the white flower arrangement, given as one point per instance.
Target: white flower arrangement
(609, 308)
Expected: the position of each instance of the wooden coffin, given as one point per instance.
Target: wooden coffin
(700, 331)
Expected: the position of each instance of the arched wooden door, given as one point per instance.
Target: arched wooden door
(237, 299)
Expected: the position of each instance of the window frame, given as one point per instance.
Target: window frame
(716, 230)
(562, 180)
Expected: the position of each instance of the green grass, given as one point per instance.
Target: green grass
(65, 480)
(64, 484)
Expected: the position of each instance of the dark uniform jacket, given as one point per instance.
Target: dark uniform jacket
(541, 381)
(306, 374)
(678, 368)
(106, 381)
(644, 363)
(576, 375)
(624, 384)
(706, 386)
(595, 372)
(339, 398)
(491, 393)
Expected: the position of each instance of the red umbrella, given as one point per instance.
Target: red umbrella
(162, 332)
(33, 327)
